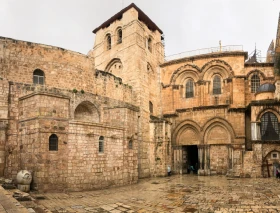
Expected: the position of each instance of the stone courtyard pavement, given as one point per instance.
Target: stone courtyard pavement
(187, 193)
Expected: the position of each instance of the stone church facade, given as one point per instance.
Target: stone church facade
(124, 112)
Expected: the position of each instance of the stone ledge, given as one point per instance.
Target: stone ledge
(45, 94)
(95, 124)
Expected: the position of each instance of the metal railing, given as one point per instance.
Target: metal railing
(229, 48)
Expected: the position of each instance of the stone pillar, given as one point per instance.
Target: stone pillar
(200, 157)
(177, 159)
(207, 160)
(3, 125)
(230, 157)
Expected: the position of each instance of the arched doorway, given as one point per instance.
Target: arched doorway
(186, 155)
(270, 163)
(191, 165)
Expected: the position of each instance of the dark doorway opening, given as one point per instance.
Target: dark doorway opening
(192, 159)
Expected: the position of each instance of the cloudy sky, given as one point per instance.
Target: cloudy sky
(187, 24)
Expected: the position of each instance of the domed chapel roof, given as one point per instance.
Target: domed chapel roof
(267, 87)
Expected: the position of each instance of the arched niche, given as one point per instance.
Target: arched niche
(86, 111)
(217, 134)
(188, 136)
(115, 67)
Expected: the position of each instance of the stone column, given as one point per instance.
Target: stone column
(177, 159)
(207, 160)
(200, 157)
(230, 156)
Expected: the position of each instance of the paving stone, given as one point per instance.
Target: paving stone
(208, 194)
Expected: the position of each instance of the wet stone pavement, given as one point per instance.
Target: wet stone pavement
(187, 193)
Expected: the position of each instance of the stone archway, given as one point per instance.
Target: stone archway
(86, 111)
(270, 162)
(218, 137)
(185, 143)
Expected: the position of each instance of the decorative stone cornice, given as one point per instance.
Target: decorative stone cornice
(205, 56)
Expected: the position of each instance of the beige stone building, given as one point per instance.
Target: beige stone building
(125, 111)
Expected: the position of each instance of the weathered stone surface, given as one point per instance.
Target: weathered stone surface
(121, 112)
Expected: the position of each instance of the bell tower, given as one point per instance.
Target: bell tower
(129, 45)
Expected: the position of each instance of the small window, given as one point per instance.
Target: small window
(108, 38)
(217, 85)
(38, 77)
(53, 143)
(269, 127)
(189, 89)
(119, 34)
(274, 155)
(150, 44)
(255, 83)
(101, 144)
(151, 107)
(130, 144)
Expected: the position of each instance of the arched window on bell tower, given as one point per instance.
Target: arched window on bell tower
(108, 41)
(119, 36)
(150, 44)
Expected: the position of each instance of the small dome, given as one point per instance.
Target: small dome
(267, 87)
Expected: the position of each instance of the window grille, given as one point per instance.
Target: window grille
(101, 144)
(38, 77)
(189, 89)
(217, 85)
(269, 127)
(53, 143)
(255, 83)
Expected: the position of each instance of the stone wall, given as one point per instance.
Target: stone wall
(4, 93)
(39, 112)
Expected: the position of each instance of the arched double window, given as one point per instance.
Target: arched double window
(269, 127)
(38, 77)
(53, 143)
(217, 89)
(255, 83)
(101, 144)
(189, 89)
(108, 41)
(119, 35)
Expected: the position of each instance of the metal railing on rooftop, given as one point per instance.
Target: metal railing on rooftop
(191, 53)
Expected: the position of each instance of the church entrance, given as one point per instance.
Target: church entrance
(190, 159)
